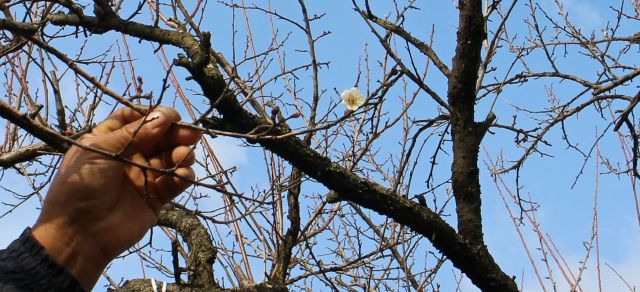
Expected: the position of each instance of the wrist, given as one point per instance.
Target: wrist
(79, 254)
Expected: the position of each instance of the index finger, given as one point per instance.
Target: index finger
(117, 120)
(125, 116)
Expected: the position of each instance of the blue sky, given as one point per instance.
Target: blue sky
(565, 212)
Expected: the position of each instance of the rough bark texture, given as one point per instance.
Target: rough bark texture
(202, 253)
(465, 177)
(144, 285)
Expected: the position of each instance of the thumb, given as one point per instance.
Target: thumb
(142, 135)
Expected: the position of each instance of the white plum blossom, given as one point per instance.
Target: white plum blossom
(352, 98)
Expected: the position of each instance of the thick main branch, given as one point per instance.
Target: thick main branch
(465, 176)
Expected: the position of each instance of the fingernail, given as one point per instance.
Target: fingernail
(155, 117)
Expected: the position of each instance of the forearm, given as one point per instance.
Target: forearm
(79, 255)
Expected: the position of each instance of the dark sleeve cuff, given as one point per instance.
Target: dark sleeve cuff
(26, 266)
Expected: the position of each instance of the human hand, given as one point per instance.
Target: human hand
(97, 206)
